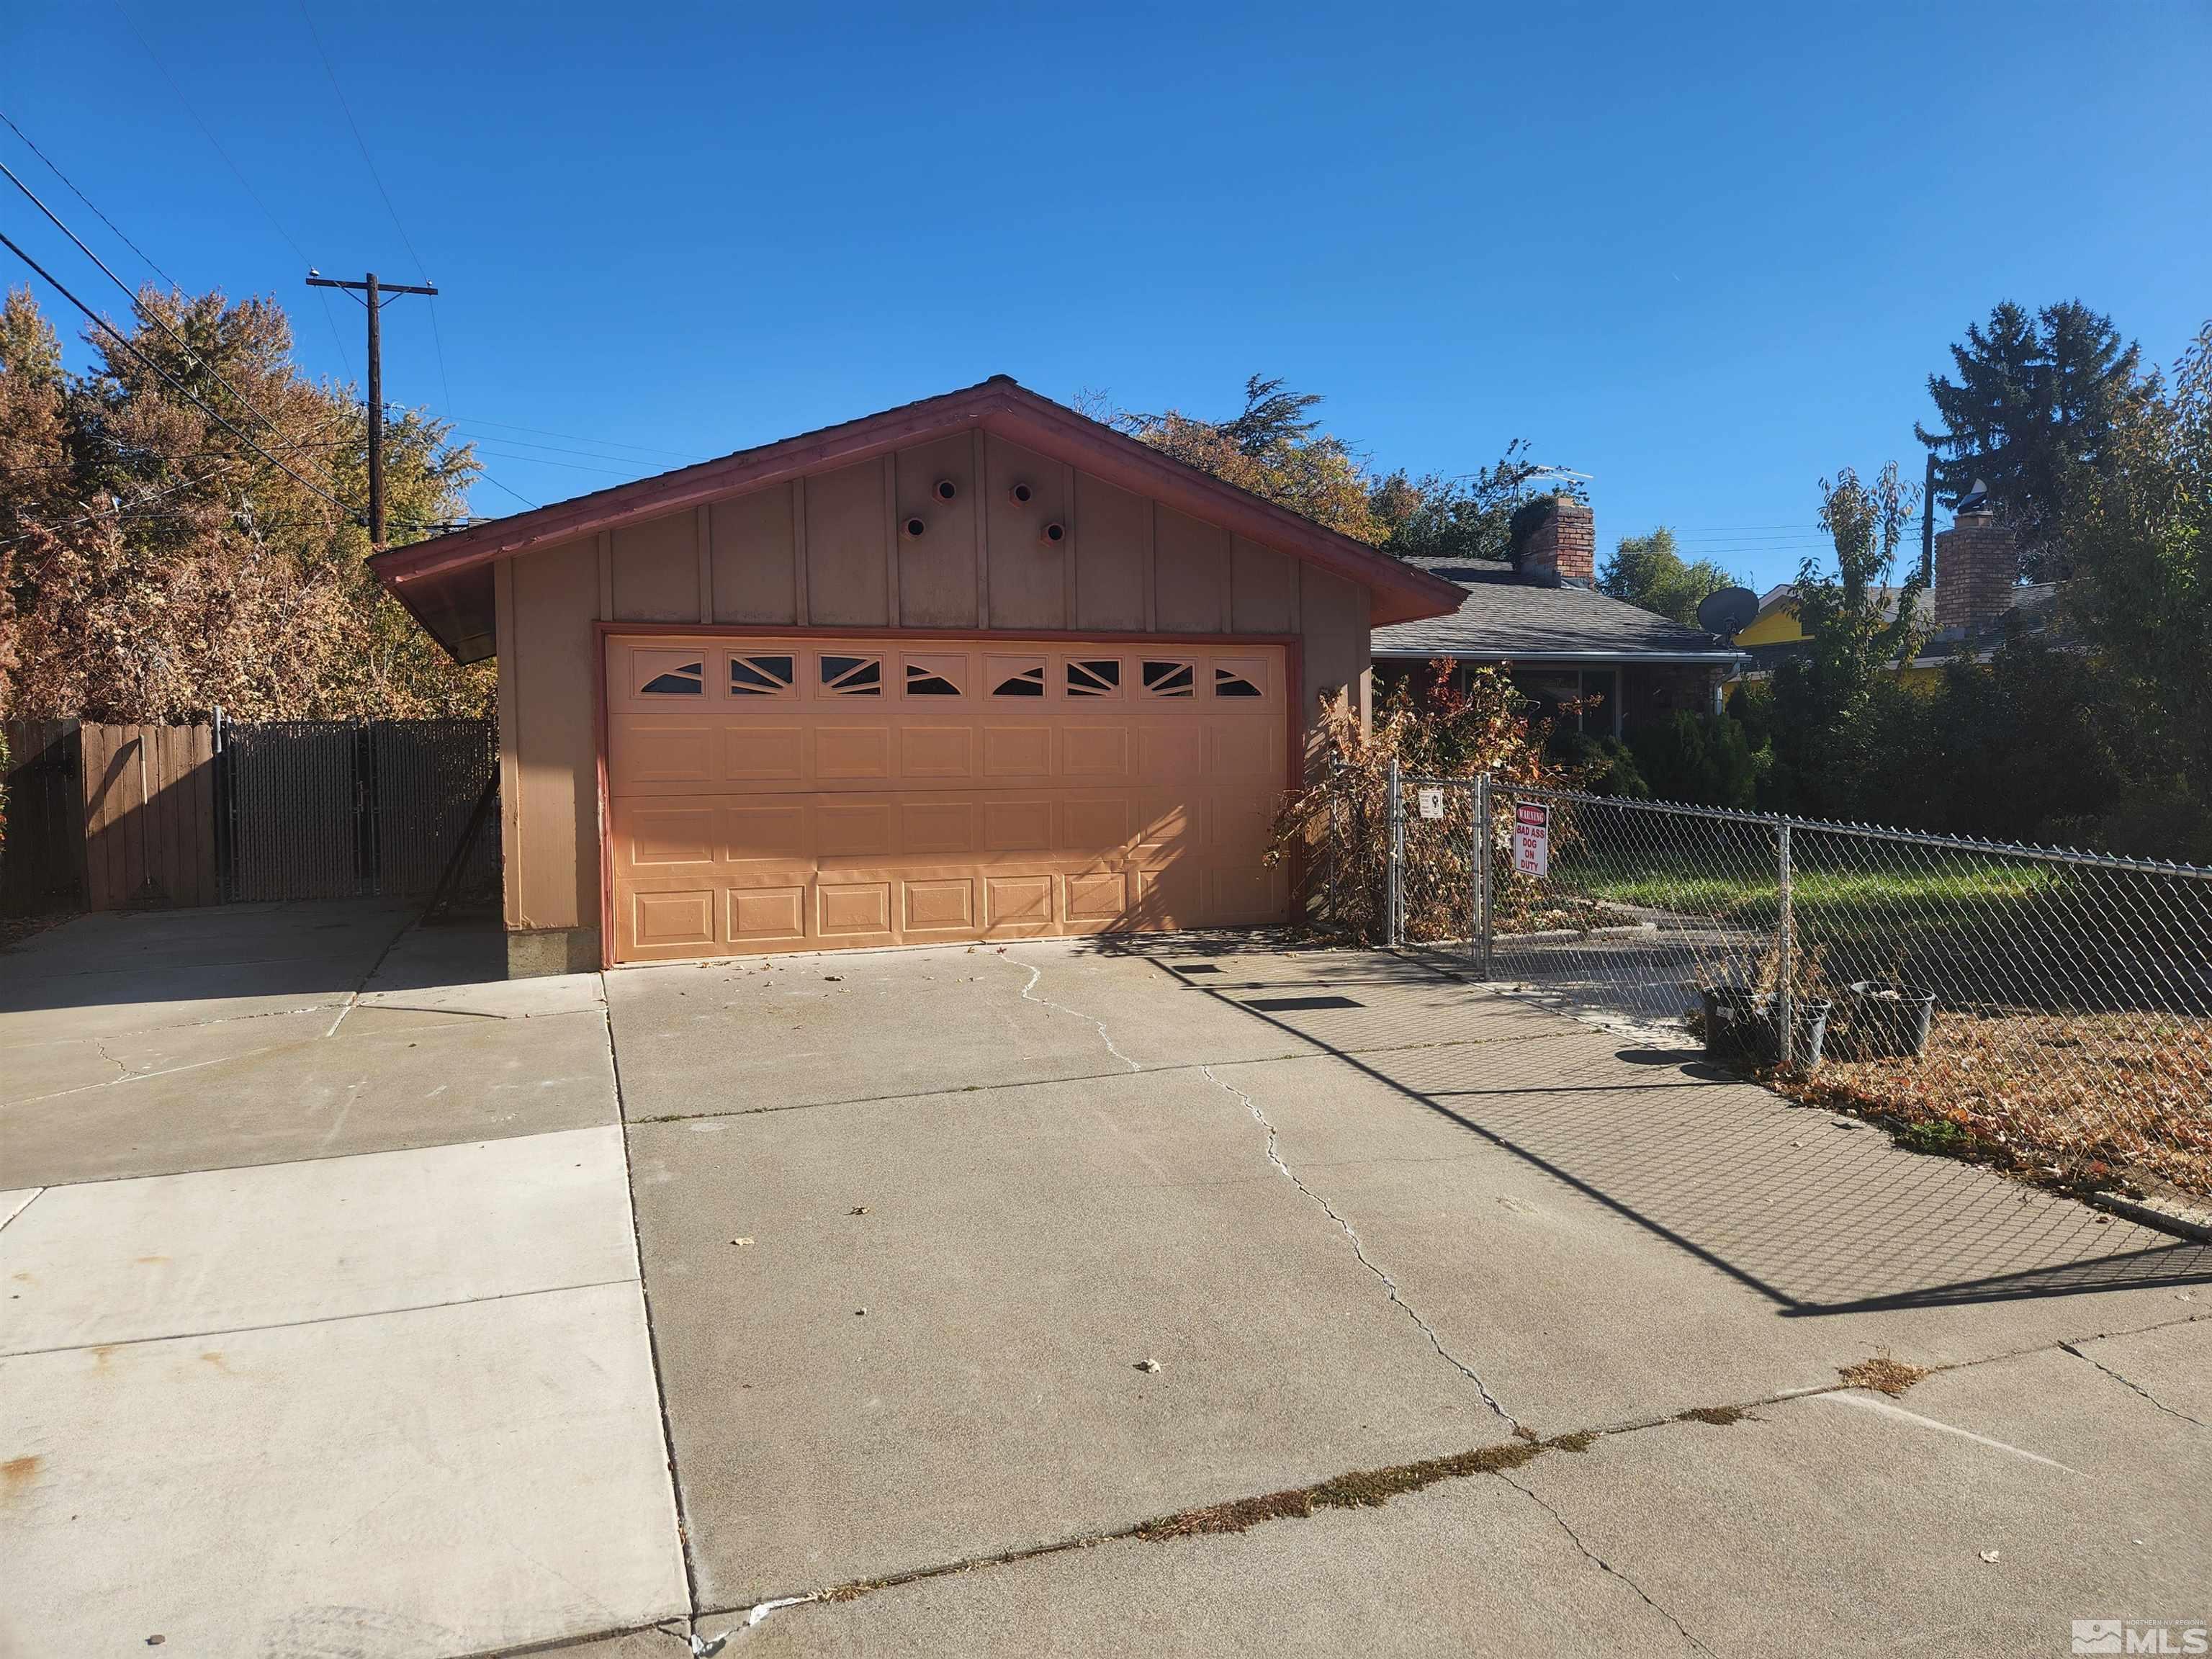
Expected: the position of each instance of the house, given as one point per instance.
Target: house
(1975, 596)
(1775, 634)
(972, 668)
(1541, 617)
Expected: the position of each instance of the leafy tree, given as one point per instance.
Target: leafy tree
(1271, 447)
(1275, 447)
(2031, 413)
(2140, 539)
(1837, 709)
(2019, 748)
(1650, 572)
(152, 564)
(1468, 518)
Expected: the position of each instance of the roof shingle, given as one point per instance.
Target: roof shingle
(1506, 617)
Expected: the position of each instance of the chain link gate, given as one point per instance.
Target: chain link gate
(2048, 1005)
(331, 808)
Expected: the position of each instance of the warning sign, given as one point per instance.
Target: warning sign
(1432, 803)
(1532, 838)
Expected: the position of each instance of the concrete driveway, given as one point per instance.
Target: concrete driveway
(1197, 1297)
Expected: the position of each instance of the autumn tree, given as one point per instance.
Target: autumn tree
(1274, 447)
(1649, 572)
(157, 561)
(2031, 413)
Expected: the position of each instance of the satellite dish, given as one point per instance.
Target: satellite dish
(1727, 611)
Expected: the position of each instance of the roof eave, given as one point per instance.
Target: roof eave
(1399, 591)
(1491, 653)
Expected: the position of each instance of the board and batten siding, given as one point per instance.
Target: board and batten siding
(828, 551)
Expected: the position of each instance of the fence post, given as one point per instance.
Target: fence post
(1393, 923)
(1482, 862)
(1785, 1011)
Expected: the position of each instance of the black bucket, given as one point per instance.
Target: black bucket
(1894, 1025)
(1742, 1028)
(1811, 1021)
(1732, 1016)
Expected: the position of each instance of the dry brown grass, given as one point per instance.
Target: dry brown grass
(1884, 1374)
(2083, 1099)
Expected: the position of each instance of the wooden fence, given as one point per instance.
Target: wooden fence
(148, 815)
(42, 861)
(107, 817)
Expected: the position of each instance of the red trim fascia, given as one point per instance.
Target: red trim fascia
(982, 635)
(688, 486)
(999, 406)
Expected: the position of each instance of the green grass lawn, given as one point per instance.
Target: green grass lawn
(1734, 890)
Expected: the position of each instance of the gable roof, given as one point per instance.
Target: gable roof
(1505, 617)
(446, 582)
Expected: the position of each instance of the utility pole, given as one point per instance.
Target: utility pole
(375, 290)
(1928, 523)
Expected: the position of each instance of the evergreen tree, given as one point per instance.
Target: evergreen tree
(2033, 411)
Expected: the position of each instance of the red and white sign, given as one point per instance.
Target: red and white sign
(1532, 838)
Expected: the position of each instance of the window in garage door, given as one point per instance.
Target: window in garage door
(803, 794)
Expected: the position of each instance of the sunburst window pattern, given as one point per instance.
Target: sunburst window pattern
(760, 677)
(1167, 679)
(1094, 677)
(853, 676)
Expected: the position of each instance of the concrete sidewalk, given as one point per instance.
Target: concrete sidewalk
(1194, 1296)
(293, 1356)
(1361, 1216)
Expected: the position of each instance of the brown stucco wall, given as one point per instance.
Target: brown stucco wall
(831, 551)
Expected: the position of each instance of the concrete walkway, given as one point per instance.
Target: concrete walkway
(1197, 1297)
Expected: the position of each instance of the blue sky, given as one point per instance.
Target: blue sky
(1703, 257)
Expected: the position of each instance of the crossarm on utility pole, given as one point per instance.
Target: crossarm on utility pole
(375, 292)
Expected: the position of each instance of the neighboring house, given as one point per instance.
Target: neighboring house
(1541, 618)
(1962, 618)
(1774, 635)
(976, 667)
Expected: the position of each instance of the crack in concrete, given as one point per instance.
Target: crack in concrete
(1359, 1250)
(1601, 1564)
(1104, 1036)
(1246, 1513)
(99, 1047)
(2130, 1383)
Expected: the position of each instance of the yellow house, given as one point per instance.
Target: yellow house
(1775, 633)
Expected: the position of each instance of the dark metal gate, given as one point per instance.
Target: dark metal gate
(318, 809)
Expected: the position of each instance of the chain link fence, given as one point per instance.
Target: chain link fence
(2049, 1010)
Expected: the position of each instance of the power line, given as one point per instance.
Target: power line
(175, 339)
(524, 443)
(569, 466)
(147, 257)
(347, 109)
(516, 494)
(101, 322)
(216, 144)
(605, 443)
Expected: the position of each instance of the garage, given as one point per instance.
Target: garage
(778, 793)
(976, 667)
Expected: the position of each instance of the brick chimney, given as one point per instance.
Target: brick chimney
(1976, 565)
(1562, 549)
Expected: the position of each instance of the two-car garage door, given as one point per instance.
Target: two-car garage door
(790, 793)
